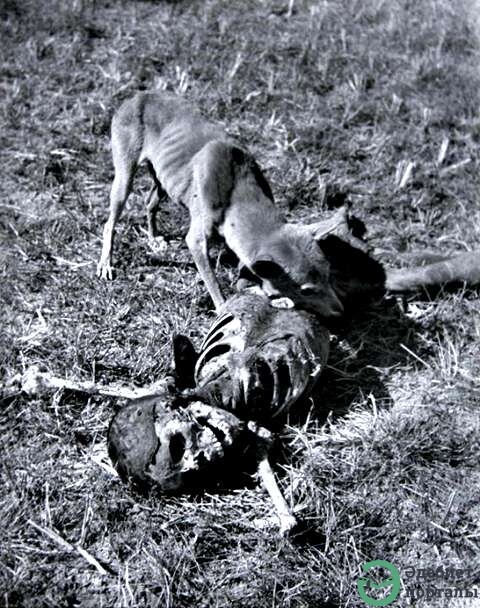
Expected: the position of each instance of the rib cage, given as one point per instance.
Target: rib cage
(256, 361)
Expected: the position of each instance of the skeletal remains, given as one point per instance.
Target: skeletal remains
(254, 364)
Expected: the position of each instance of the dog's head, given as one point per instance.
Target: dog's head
(292, 264)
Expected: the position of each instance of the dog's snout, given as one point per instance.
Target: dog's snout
(324, 302)
(336, 307)
(334, 304)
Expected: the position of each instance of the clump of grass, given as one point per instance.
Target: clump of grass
(376, 103)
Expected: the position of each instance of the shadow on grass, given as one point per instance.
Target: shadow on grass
(375, 339)
(374, 336)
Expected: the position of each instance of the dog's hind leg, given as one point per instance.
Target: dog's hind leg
(155, 196)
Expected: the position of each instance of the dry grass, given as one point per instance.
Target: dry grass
(374, 101)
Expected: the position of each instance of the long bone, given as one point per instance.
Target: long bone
(151, 445)
(286, 518)
(33, 382)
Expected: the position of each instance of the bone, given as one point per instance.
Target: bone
(33, 382)
(286, 518)
(257, 361)
(285, 303)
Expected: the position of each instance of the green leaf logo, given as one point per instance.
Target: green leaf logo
(393, 580)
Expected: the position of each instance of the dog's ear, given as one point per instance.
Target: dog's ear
(267, 269)
(337, 224)
(342, 226)
(185, 358)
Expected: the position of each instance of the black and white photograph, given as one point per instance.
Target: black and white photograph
(240, 260)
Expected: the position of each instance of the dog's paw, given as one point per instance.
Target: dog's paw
(105, 271)
(158, 244)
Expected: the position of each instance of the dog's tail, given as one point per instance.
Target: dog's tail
(462, 268)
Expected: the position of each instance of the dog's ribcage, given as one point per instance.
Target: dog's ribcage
(172, 151)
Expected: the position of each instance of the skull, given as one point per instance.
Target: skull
(151, 443)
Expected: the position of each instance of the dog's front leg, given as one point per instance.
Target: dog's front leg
(120, 190)
(121, 186)
(197, 243)
(287, 520)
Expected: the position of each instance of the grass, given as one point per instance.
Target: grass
(373, 101)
